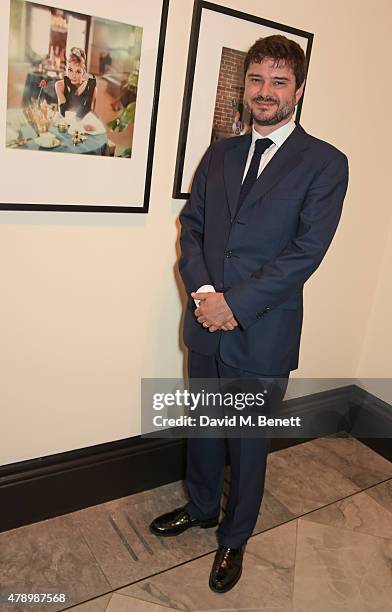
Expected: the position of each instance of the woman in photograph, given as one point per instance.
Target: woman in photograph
(77, 91)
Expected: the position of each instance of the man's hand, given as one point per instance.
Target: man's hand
(232, 324)
(213, 312)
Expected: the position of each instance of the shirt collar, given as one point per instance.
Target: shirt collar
(279, 135)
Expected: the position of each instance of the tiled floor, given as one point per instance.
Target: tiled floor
(323, 542)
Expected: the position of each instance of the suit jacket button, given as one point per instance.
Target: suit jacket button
(228, 254)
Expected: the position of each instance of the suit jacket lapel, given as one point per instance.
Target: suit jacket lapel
(234, 166)
(284, 161)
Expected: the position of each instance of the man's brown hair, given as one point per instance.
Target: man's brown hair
(282, 50)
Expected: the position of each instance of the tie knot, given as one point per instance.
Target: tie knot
(262, 144)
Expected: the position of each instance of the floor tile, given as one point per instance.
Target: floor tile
(338, 570)
(357, 513)
(301, 481)
(351, 458)
(49, 557)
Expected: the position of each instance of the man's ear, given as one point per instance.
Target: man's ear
(299, 92)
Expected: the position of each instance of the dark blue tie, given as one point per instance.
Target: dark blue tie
(261, 145)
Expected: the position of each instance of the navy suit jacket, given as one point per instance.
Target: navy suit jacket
(260, 256)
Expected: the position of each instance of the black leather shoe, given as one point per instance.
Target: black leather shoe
(175, 522)
(226, 569)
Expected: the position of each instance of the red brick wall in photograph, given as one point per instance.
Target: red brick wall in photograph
(230, 87)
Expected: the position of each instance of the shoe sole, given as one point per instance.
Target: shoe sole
(169, 535)
(228, 588)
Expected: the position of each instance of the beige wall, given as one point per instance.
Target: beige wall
(89, 302)
(376, 356)
(375, 363)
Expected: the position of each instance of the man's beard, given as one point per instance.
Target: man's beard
(281, 114)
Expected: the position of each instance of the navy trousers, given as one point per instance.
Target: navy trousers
(248, 459)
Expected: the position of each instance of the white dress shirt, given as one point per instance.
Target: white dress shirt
(278, 137)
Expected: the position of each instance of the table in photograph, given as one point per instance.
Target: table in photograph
(93, 145)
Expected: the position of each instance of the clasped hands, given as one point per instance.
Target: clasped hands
(213, 312)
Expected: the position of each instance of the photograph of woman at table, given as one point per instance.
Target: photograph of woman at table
(77, 91)
(73, 75)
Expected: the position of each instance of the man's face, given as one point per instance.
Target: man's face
(270, 92)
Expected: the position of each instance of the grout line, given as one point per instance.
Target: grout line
(107, 605)
(295, 562)
(144, 600)
(80, 529)
(114, 593)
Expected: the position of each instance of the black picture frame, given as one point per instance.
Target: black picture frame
(136, 206)
(199, 7)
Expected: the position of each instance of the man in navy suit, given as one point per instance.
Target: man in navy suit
(263, 210)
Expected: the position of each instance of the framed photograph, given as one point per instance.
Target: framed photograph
(79, 93)
(213, 97)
